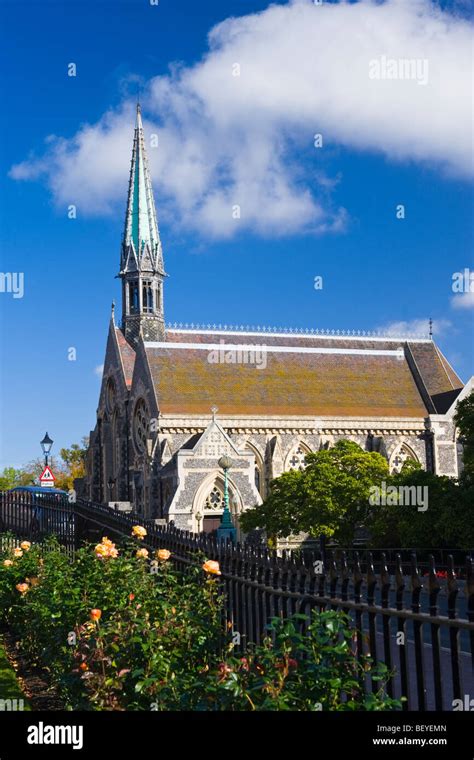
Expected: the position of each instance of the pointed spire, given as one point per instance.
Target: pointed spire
(141, 242)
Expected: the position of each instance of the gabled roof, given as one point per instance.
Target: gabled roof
(127, 355)
(299, 375)
(439, 378)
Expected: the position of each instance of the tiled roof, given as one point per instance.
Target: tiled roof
(128, 356)
(301, 383)
(438, 376)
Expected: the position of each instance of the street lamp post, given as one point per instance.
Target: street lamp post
(226, 530)
(198, 520)
(46, 445)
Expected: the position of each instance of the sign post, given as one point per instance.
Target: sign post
(47, 478)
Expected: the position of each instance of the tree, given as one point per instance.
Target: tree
(446, 519)
(464, 421)
(69, 466)
(11, 477)
(330, 497)
(75, 461)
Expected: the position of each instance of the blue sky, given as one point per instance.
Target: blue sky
(305, 211)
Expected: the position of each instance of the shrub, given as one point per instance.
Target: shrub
(118, 629)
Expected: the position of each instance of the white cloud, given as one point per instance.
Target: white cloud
(463, 301)
(304, 69)
(99, 370)
(416, 328)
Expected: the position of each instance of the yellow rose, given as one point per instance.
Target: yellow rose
(7, 563)
(107, 542)
(100, 550)
(162, 554)
(142, 553)
(138, 531)
(106, 550)
(17, 552)
(22, 587)
(25, 545)
(212, 567)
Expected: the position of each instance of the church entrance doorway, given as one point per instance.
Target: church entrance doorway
(211, 523)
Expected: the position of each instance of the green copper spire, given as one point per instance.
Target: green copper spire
(141, 261)
(141, 249)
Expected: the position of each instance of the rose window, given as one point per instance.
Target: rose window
(140, 425)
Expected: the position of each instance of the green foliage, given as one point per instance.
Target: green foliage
(448, 521)
(74, 460)
(291, 670)
(159, 641)
(9, 688)
(330, 497)
(400, 524)
(11, 477)
(464, 420)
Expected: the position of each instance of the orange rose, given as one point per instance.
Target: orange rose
(138, 532)
(22, 587)
(25, 545)
(17, 552)
(106, 549)
(95, 614)
(7, 563)
(212, 567)
(83, 666)
(142, 553)
(162, 554)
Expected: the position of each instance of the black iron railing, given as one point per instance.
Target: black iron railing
(420, 622)
(33, 516)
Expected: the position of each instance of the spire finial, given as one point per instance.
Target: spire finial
(214, 411)
(431, 329)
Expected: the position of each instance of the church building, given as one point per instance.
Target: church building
(175, 398)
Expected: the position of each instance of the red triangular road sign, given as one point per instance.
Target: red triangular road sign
(47, 475)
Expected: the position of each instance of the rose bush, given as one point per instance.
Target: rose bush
(121, 629)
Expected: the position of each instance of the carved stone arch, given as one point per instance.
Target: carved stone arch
(259, 467)
(295, 459)
(214, 480)
(399, 456)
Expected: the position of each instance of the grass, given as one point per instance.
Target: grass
(9, 688)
